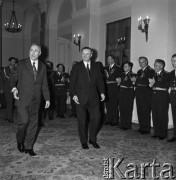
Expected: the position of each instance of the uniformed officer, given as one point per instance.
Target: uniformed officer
(112, 72)
(61, 83)
(126, 95)
(6, 73)
(143, 95)
(160, 99)
(173, 96)
(50, 72)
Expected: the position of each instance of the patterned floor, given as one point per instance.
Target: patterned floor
(60, 156)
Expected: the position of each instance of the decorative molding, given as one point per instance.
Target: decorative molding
(115, 6)
(64, 24)
(80, 13)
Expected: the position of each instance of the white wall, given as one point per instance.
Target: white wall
(80, 25)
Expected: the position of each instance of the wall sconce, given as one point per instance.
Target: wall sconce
(121, 40)
(77, 40)
(146, 26)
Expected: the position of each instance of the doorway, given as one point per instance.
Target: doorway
(118, 40)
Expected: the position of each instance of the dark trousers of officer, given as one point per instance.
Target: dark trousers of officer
(93, 108)
(173, 106)
(143, 102)
(126, 100)
(61, 104)
(73, 106)
(27, 124)
(9, 104)
(160, 107)
(112, 104)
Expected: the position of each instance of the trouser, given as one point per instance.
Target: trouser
(160, 107)
(173, 107)
(112, 104)
(126, 100)
(93, 109)
(143, 103)
(61, 104)
(27, 125)
(9, 105)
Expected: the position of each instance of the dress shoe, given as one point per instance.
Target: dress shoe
(155, 136)
(62, 116)
(95, 145)
(145, 132)
(172, 140)
(161, 138)
(51, 118)
(113, 124)
(20, 147)
(9, 120)
(124, 128)
(107, 123)
(30, 152)
(85, 146)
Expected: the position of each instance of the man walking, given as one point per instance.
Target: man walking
(31, 80)
(85, 84)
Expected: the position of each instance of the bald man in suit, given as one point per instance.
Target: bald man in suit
(31, 81)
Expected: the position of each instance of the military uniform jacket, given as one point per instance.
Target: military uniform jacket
(60, 83)
(112, 74)
(126, 79)
(143, 76)
(173, 85)
(163, 80)
(6, 73)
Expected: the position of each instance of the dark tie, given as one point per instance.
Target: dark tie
(88, 71)
(34, 70)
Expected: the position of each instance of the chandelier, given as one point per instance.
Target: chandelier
(12, 26)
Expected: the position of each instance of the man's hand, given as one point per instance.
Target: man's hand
(47, 104)
(1, 91)
(15, 94)
(102, 97)
(75, 98)
(151, 82)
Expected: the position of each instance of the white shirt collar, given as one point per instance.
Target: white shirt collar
(36, 63)
(112, 65)
(159, 72)
(144, 68)
(85, 63)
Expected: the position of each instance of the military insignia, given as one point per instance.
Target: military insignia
(112, 71)
(126, 78)
(106, 73)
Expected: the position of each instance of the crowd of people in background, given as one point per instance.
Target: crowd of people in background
(153, 88)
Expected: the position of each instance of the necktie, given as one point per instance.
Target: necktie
(34, 70)
(88, 71)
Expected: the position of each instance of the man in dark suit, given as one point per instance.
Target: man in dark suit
(173, 96)
(143, 95)
(85, 84)
(6, 73)
(31, 80)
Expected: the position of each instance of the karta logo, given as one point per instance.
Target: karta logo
(113, 170)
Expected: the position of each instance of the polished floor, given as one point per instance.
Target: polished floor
(60, 156)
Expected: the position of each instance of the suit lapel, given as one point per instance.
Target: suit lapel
(85, 73)
(29, 66)
(39, 68)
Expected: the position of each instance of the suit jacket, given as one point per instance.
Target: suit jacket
(29, 89)
(81, 86)
(172, 84)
